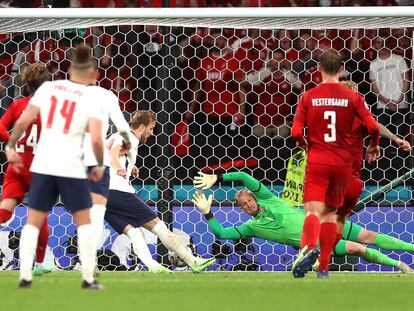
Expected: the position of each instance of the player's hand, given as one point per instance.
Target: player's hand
(135, 172)
(302, 144)
(373, 153)
(200, 200)
(121, 172)
(204, 181)
(96, 173)
(403, 144)
(14, 158)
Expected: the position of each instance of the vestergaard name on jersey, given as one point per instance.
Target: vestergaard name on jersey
(341, 102)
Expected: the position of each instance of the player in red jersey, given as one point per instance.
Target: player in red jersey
(355, 184)
(328, 112)
(17, 179)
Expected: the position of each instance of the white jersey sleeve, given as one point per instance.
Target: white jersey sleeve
(117, 182)
(109, 105)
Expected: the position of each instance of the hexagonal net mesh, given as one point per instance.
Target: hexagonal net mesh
(225, 99)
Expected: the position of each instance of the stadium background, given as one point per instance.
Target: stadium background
(158, 68)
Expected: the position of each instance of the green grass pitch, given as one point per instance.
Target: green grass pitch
(213, 291)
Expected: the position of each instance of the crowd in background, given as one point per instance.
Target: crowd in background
(236, 89)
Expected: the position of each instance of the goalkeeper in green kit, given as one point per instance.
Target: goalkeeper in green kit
(274, 219)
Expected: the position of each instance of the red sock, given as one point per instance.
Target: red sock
(5, 215)
(310, 232)
(338, 238)
(327, 240)
(42, 242)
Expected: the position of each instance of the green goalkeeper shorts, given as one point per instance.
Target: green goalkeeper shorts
(351, 231)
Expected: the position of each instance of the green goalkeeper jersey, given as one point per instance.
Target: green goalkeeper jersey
(276, 221)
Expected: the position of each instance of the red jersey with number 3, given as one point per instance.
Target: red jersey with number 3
(328, 112)
(26, 145)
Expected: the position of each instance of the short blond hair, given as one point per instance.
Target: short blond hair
(34, 75)
(350, 84)
(240, 193)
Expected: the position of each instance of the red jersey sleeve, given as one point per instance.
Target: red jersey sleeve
(6, 122)
(299, 120)
(363, 113)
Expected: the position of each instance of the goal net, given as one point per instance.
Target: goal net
(224, 85)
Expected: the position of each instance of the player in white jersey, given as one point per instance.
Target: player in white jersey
(109, 104)
(126, 213)
(66, 112)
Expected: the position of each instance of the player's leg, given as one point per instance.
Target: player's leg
(338, 179)
(76, 197)
(43, 195)
(121, 215)
(173, 243)
(315, 185)
(380, 240)
(327, 238)
(41, 267)
(100, 192)
(12, 194)
(142, 251)
(371, 255)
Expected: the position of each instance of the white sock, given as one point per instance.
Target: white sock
(28, 244)
(87, 251)
(97, 220)
(141, 248)
(173, 243)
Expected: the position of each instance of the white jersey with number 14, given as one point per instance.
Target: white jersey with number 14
(65, 110)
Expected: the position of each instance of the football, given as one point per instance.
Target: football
(176, 261)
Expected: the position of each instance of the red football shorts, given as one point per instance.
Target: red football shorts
(352, 192)
(326, 183)
(15, 185)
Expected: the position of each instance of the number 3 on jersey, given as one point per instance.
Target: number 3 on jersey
(331, 117)
(67, 111)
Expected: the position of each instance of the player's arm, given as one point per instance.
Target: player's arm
(403, 144)
(114, 155)
(6, 122)
(95, 129)
(118, 119)
(204, 204)
(363, 113)
(20, 126)
(299, 124)
(205, 181)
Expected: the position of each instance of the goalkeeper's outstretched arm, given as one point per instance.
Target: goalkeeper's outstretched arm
(205, 181)
(234, 233)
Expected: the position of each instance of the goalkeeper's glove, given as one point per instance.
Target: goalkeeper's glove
(204, 181)
(200, 200)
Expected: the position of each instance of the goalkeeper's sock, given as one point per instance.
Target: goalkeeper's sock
(327, 243)
(173, 243)
(97, 221)
(42, 243)
(311, 231)
(389, 243)
(28, 242)
(87, 251)
(141, 248)
(374, 256)
(5, 215)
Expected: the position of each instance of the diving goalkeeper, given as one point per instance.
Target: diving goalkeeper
(275, 220)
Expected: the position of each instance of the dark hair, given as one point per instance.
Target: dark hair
(142, 117)
(82, 58)
(331, 62)
(34, 75)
